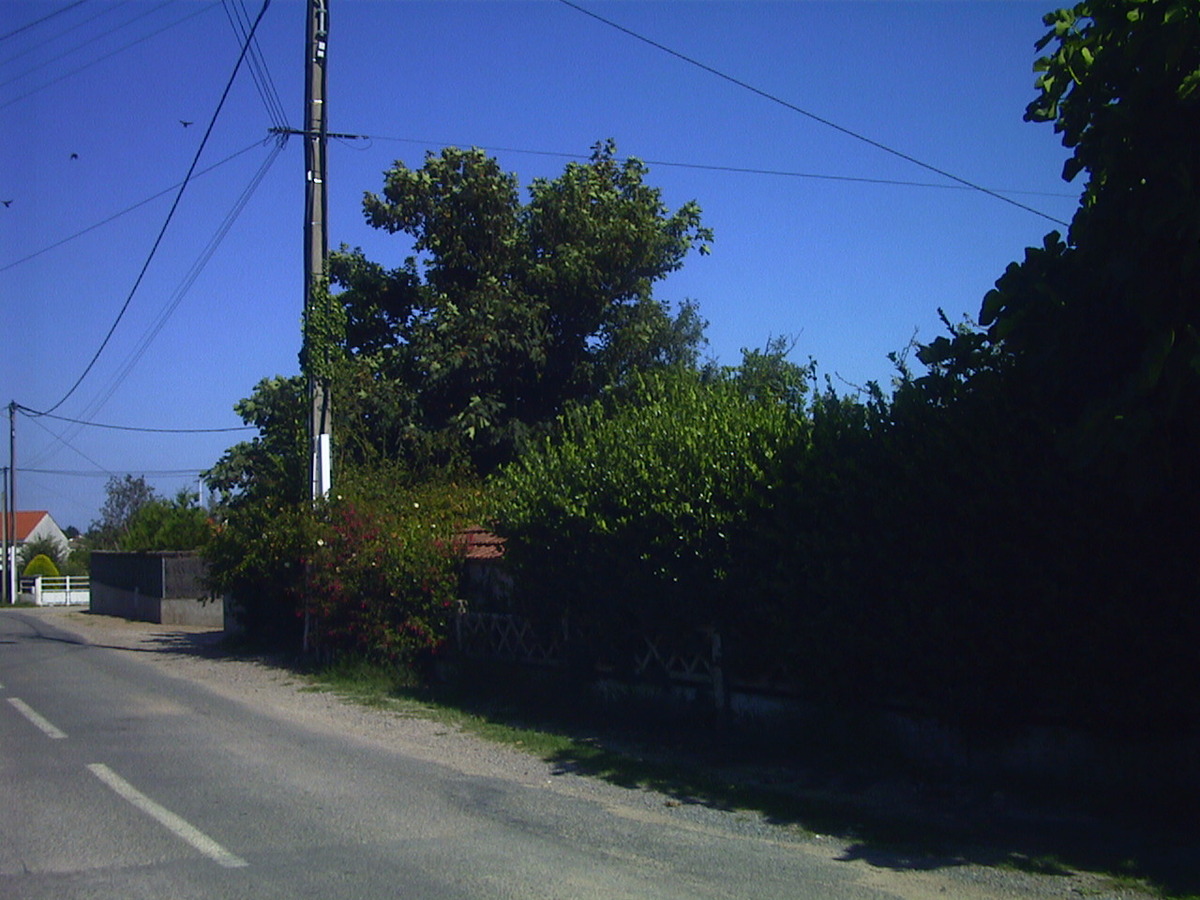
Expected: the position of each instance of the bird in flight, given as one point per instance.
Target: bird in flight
(7, 203)
(74, 156)
(184, 123)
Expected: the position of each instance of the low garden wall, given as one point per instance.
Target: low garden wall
(167, 587)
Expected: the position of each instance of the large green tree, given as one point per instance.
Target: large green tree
(509, 310)
(177, 524)
(1101, 329)
(123, 498)
(1047, 465)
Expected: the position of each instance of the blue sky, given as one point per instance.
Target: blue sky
(850, 269)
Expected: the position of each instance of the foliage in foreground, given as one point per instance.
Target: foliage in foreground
(384, 573)
(1006, 541)
(373, 571)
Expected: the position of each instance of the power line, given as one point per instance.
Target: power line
(714, 168)
(80, 473)
(127, 209)
(167, 311)
(32, 413)
(64, 442)
(189, 279)
(170, 213)
(816, 118)
(239, 20)
(93, 39)
(101, 59)
(49, 40)
(45, 18)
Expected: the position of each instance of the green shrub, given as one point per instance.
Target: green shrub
(42, 546)
(385, 568)
(647, 516)
(41, 565)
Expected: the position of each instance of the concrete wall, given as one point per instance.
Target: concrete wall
(166, 587)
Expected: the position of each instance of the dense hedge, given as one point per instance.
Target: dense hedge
(642, 516)
(944, 559)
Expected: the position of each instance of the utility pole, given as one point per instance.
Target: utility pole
(11, 550)
(316, 251)
(316, 237)
(4, 530)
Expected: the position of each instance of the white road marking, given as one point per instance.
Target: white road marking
(40, 721)
(173, 823)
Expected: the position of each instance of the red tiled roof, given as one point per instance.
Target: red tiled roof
(27, 521)
(479, 544)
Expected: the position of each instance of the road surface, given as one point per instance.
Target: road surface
(124, 777)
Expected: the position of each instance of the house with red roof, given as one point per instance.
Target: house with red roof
(34, 525)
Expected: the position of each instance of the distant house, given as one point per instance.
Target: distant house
(34, 525)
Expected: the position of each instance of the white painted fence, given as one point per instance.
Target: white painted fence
(65, 590)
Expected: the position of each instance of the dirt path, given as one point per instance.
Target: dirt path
(194, 654)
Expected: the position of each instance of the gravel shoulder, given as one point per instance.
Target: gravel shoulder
(196, 654)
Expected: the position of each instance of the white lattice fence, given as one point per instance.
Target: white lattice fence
(506, 637)
(692, 661)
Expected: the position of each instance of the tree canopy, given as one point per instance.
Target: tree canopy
(508, 311)
(178, 524)
(1100, 330)
(123, 498)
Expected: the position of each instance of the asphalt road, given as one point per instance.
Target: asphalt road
(119, 781)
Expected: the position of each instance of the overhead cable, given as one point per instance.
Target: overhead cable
(170, 213)
(54, 37)
(60, 440)
(45, 18)
(91, 40)
(714, 168)
(78, 473)
(9, 102)
(128, 209)
(239, 21)
(26, 411)
(816, 118)
(185, 285)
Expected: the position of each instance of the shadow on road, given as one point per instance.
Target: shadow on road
(888, 816)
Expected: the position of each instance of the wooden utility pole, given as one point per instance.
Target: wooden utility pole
(4, 529)
(316, 252)
(316, 237)
(11, 549)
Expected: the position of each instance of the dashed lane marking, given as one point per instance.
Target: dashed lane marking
(173, 823)
(36, 718)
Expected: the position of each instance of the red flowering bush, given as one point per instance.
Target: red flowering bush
(384, 574)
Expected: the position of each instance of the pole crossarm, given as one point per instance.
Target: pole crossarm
(337, 135)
